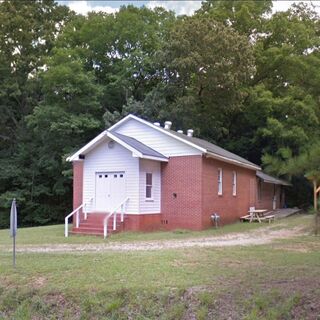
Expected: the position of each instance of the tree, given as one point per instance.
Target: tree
(28, 30)
(208, 64)
(247, 17)
(281, 114)
(121, 50)
(307, 164)
(67, 116)
(27, 33)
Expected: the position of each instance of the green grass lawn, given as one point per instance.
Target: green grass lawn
(55, 233)
(276, 281)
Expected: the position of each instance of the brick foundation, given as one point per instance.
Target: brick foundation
(142, 222)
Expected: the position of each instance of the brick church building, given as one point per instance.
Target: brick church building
(141, 176)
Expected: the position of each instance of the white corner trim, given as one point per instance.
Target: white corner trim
(131, 116)
(236, 162)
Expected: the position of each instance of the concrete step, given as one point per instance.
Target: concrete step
(97, 225)
(84, 230)
(92, 233)
(94, 224)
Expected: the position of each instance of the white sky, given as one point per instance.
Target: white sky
(180, 7)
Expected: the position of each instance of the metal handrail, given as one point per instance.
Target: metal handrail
(66, 219)
(114, 213)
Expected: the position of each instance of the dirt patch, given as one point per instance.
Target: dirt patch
(39, 282)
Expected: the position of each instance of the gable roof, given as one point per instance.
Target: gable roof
(137, 148)
(269, 179)
(204, 146)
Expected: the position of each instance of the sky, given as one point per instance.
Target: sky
(180, 7)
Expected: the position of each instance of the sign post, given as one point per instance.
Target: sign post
(13, 228)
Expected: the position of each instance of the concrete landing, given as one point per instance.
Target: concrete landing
(286, 212)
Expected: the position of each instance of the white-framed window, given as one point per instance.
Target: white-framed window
(148, 185)
(234, 183)
(219, 181)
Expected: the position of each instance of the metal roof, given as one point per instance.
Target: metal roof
(212, 148)
(269, 179)
(139, 146)
(206, 147)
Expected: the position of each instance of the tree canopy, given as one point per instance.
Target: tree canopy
(237, 74)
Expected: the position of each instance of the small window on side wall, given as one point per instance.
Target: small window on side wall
(234, 183)
(219, 181)
(148, 185)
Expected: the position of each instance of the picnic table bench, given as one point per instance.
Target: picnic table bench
(257, 215)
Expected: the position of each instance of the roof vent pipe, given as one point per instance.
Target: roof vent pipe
(167, 125)
(180, 131)
(190, 133)
(157, 124)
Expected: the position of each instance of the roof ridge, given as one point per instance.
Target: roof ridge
(204, 146)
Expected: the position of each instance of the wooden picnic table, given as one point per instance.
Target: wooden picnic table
(256, 214)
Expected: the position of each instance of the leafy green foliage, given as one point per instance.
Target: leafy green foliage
(238, 75)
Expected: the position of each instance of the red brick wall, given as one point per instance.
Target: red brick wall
(194, 180)
(143, 222)
(181, 176)
(229, 207)
(77, 183)
(267, 192)
(77, 186)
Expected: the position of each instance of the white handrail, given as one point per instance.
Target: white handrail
(114, 213)
(85, 209)
(66, 229)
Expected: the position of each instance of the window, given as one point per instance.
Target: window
(149, 185)
(234, 183)
(219, 182)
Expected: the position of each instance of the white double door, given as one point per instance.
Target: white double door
(110, 190)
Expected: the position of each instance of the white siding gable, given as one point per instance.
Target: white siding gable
(116, 159)
(155, 139)
(150, 205)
